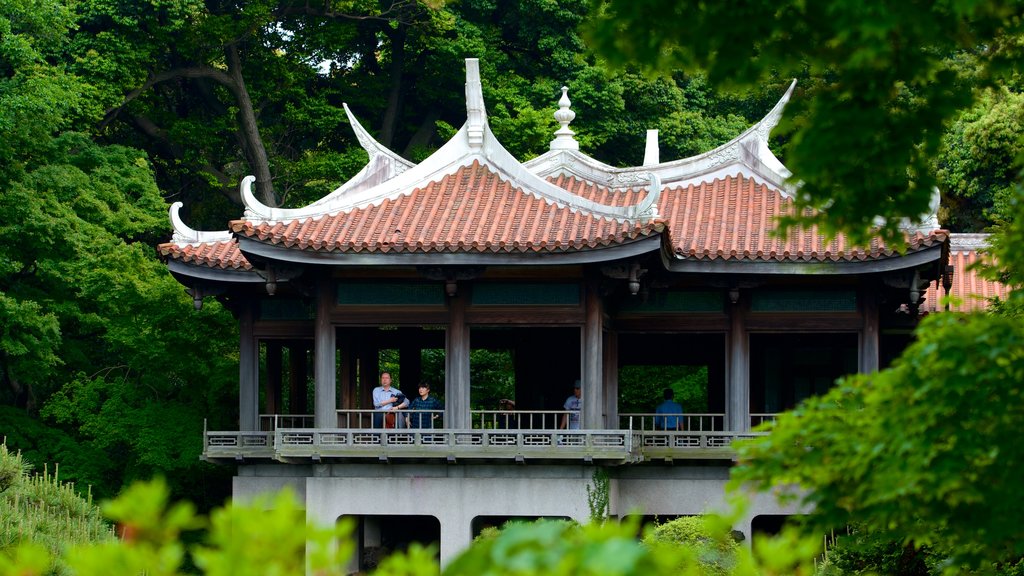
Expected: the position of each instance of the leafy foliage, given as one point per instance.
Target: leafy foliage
(866, 137)
(979, 164)
(947, 479)
(715, 551)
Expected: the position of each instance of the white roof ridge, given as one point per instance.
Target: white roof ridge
(187, 236)
(464, 147)
(750, 147)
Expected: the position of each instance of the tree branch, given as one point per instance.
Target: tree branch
(154, 79)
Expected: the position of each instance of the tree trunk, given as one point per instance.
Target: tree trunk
(394, 109)
(255, 152)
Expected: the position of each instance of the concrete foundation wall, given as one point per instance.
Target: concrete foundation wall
(456, 494)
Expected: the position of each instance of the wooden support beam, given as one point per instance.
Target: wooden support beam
(610, 364)
(248, 372)
(325, 396)
(737, 390)
(272, 386)
(593, 359)
(456, 361)
(869, 346)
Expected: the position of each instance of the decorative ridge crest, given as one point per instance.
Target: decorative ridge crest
(476, 112)
(183, 234)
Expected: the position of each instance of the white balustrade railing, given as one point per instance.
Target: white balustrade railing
(389, 419)
(271, 422)
(493, 433)
(521, 419)
(758, 419)
(690, 422)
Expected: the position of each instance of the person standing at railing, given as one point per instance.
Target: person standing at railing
(668, 406)
(574, 404)
(423, 408)
(387, 401)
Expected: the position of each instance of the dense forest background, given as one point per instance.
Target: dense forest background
(110, 110)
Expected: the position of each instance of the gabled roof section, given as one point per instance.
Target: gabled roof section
(473, 210)
(974, 291)
(730, 220)
(217, 255)
(747, 154)
(473, 144)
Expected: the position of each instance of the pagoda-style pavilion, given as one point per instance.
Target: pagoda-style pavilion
(577, 269)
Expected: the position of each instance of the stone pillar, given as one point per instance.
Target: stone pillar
(248, 372)
(456, 365)
(272, 387)
(737, 389)
(325, 396)
(593, 356)
(869, 334)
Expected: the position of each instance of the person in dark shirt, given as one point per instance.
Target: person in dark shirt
(665, 421)
(419, 417)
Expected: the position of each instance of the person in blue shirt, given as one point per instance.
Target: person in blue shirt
(422, 409)
(668, 406)
(574, 404)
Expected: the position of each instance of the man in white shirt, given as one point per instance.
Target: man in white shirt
(387, 399)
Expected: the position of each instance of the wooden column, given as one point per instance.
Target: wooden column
(248, 372)
(610, 364)
(272, 387)
(325, 395)
(349, 399)
(869, 334)
(737, 389)
(298, 375)
(593, 356)
(456, 365)
(369, 368)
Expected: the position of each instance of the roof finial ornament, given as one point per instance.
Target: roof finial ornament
(254, 209)
(476, 113)
(648, 207)
(183, 234)
(652, 154)
(564, 136)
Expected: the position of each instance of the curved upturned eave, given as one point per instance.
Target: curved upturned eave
(749, 149)
(382, 163)
(626, 249)
(183, 271)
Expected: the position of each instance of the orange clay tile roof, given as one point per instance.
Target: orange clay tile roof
(968, 285)
(224, 255)
(475, 210)
(732, 219)
(472, 210)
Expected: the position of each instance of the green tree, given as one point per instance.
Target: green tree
(978, 165)
(867, 136)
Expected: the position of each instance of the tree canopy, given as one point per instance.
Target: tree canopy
(862, 141)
